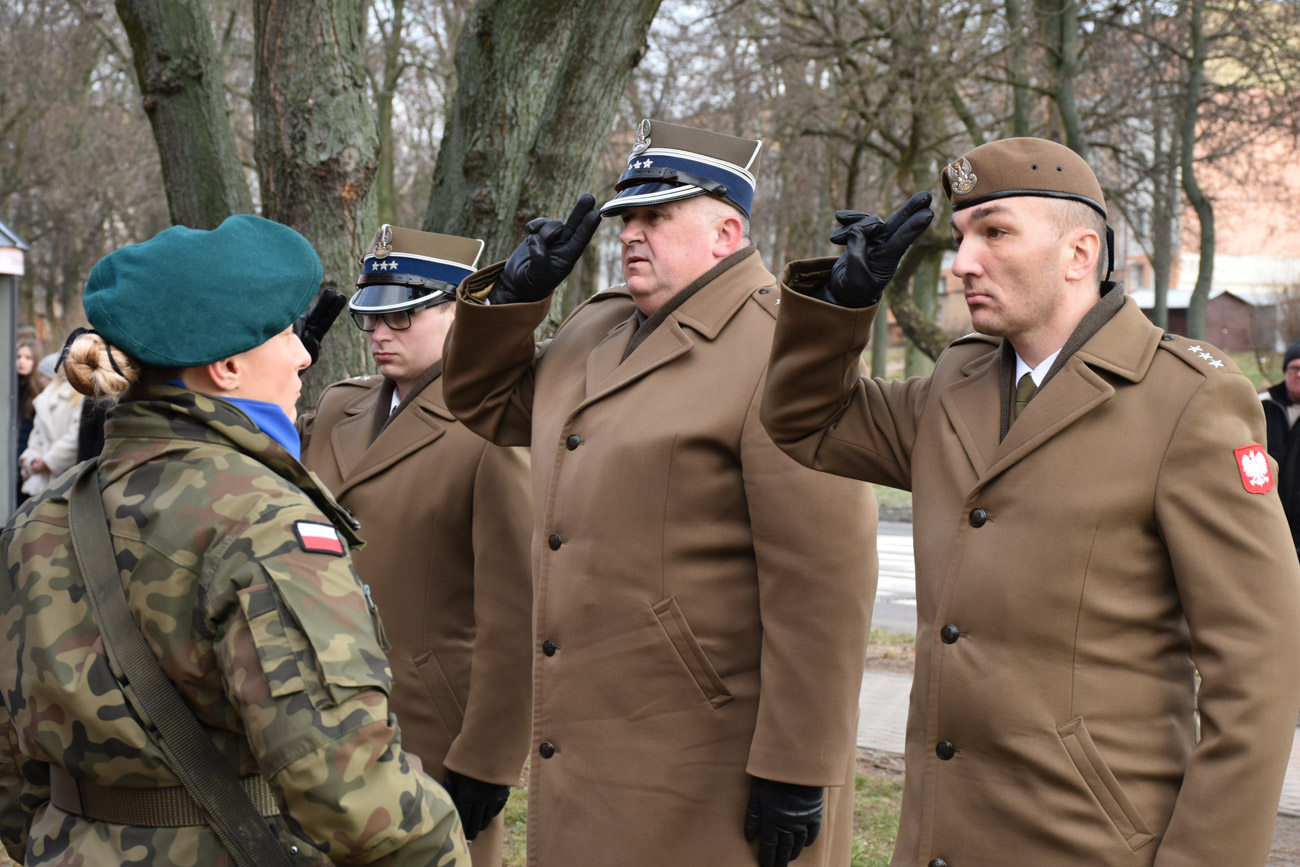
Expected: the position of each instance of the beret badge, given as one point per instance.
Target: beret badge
(961, 177)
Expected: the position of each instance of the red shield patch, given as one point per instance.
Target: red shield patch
(1256, 475)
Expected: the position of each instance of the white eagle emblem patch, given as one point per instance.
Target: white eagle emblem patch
(1256, 475)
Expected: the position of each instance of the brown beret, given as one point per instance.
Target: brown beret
(1021, 167)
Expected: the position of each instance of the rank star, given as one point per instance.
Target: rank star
(1216, 363)
(1195, 349)
(1205, 355)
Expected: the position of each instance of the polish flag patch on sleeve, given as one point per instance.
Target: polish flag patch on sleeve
(318, 538)
(1256, 474)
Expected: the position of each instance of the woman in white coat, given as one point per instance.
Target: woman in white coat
(52, 447)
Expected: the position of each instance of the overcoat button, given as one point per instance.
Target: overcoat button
(950, 633)
(945, 750)
(938, 862)
(978, 517)
(1166, 337)
(548, 647)
(547, 749)
(555, 541)
(293, 850)
(573, 442)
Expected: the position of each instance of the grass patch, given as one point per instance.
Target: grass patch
(1262, 370)
(876, 805)
(515, 849)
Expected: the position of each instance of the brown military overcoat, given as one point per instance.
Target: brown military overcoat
(702, 601)
(1068, 579)
(447, 520)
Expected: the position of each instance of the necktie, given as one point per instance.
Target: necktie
(1024, 391)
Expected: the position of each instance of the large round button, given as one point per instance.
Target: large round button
(950, 633)
(938, 862)
(547, 749)
(555, 541)
(573, 442)
(978, 517)
(548, 647)
(945, 750)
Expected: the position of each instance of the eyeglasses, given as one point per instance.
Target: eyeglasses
(399, 320)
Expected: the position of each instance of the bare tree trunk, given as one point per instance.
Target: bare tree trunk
(316, 149)
(1199, 201)
(537, 88)
(925, 294)
(1019, 68)
(385, 195)
(1163, 222)
(1061, 18)
(179, 73)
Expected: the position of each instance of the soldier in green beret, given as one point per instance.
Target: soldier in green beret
(236, 567)
(1096, 524)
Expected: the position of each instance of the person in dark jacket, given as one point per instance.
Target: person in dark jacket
(1281, 410)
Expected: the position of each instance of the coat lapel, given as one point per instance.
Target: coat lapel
(973, 405)
(704, 313)
(1124, 348)
(421, 422)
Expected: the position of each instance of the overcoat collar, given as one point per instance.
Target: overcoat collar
(703, 315)
(1124, 347)
(420, 419)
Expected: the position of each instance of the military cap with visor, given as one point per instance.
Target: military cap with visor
(189, 297)
(669, 163)
(405, 270)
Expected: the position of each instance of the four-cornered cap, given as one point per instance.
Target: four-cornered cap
(671, 162)
(189, 297)
(1021, 167)
(405, 269)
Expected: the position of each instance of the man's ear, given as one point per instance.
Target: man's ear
(1083, 248)
(731, 235)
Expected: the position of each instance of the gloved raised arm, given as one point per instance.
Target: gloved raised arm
(544, 258)
(313, 325)
(873, 249)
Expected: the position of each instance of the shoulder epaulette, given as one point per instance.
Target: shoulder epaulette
(1198, 355)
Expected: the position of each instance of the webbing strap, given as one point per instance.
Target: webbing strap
(166, 807)
(190, 753)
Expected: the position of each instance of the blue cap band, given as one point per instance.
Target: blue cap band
(652, 177)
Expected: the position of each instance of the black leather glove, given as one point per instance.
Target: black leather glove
(547, 255)
(477, 802)
(312, 326)
(873, 250)
(784, 817)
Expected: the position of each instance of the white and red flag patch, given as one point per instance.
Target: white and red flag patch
(318, 538)
(1256, 475)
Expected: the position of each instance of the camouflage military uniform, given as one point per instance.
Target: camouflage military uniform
(273, 646)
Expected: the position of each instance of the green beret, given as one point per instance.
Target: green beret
(189, 297)
(1021, 167)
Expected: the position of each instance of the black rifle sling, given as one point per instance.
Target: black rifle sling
(191, 755)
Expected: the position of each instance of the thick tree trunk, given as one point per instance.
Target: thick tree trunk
(538, 85)
(179, 72)
(316, 148)
(925, 294)
(1199, 201)
(1165, 194)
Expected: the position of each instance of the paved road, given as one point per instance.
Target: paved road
(896, 589)
(884, 695)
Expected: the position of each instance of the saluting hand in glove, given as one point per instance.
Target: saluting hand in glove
(312, 325)
(785, 817)
(873, 249)
(544, 258)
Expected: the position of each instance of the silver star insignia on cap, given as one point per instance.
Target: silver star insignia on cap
(961, 177)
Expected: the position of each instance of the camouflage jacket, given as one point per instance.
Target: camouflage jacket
(273, 645)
